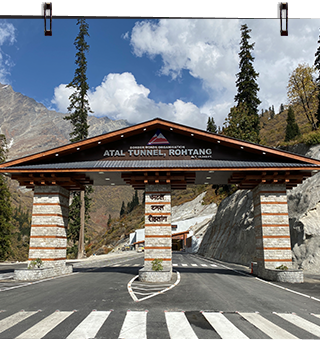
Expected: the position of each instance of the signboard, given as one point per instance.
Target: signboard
(159, 147)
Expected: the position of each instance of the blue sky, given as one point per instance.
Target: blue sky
(182, 70)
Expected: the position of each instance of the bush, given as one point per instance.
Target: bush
(157, 265)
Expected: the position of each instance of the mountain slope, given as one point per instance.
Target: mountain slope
(30, 127)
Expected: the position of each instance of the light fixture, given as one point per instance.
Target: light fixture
(99, 142)
(171, 129)
(107, 179)
(78, 149)
(144, 129)
(206, 183)
(57, 154)
(241, 147)
(208, 177)
(101, 172)
(122, 136)
(211, 171)
(263, 153)
(192, 135)
(112, 184)
(218, 141)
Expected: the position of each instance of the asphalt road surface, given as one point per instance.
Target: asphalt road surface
(205, 299)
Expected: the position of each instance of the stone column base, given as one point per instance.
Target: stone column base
(41, 273)
(148, 275)
(290, 275)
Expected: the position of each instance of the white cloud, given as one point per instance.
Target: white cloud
(7, 35)
(120, 97)
(209, 49)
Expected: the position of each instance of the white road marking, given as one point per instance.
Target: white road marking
(316, 315)
(134, 326)
(184, 265)
(43, 327)
(267, 327)
(204, 265)
(213, 265)
(174, 265)
(178, 326)
(302, 323)
(223, 326)
(137, 265)
(90, 326)
(194, 265)
(13, 319)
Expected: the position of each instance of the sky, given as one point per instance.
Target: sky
(181, 70)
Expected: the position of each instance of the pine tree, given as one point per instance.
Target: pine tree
(317, 67)
(246, 99)
(211, 125)
(5, 207)
(78, 116)
(292, 129)
(123, 209)
(281, 108)
(239, 123)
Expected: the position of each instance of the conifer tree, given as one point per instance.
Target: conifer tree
(211, 125)
(317, 67)
(123, 209)
(78, 116)
(5, 207)
(292, 129)
(246, 99)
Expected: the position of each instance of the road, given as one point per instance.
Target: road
(205, 299)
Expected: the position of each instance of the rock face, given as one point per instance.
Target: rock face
(230, 235)
(195, 217)
(30, 127)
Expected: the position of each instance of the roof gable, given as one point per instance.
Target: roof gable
(160, 140)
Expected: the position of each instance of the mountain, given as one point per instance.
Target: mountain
(30, 127)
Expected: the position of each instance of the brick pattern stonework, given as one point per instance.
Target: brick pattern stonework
(158, 226)
(48, 237)
(271, 220)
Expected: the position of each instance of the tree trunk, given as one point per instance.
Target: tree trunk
(81, 234)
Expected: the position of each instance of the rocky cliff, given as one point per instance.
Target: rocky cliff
(230, 235)
(30, 127)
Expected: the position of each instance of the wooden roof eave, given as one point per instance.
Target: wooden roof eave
(159, 123)
(302, 168)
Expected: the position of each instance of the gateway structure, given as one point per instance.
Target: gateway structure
(160, 156)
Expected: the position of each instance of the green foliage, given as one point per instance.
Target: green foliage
(292, 129)
(281, 108)
(246, 78)
(243, 120)
(239, 124)
(37, 263)
(74, 213)
(130, 205)
(303, 90)
(211, 125)
(79, 104)
(312, 138)
(5, 208)
(282, 267)
(157, 265)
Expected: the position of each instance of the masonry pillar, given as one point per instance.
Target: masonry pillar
(271, 220)
(158, 242)
(48, 237)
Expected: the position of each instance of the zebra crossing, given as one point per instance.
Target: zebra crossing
(177, 324)
(181, 265)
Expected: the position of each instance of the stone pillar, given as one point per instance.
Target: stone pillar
(271, 220)
(158, 242)
(48, 237)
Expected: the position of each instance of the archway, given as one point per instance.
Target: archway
(159, 156)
